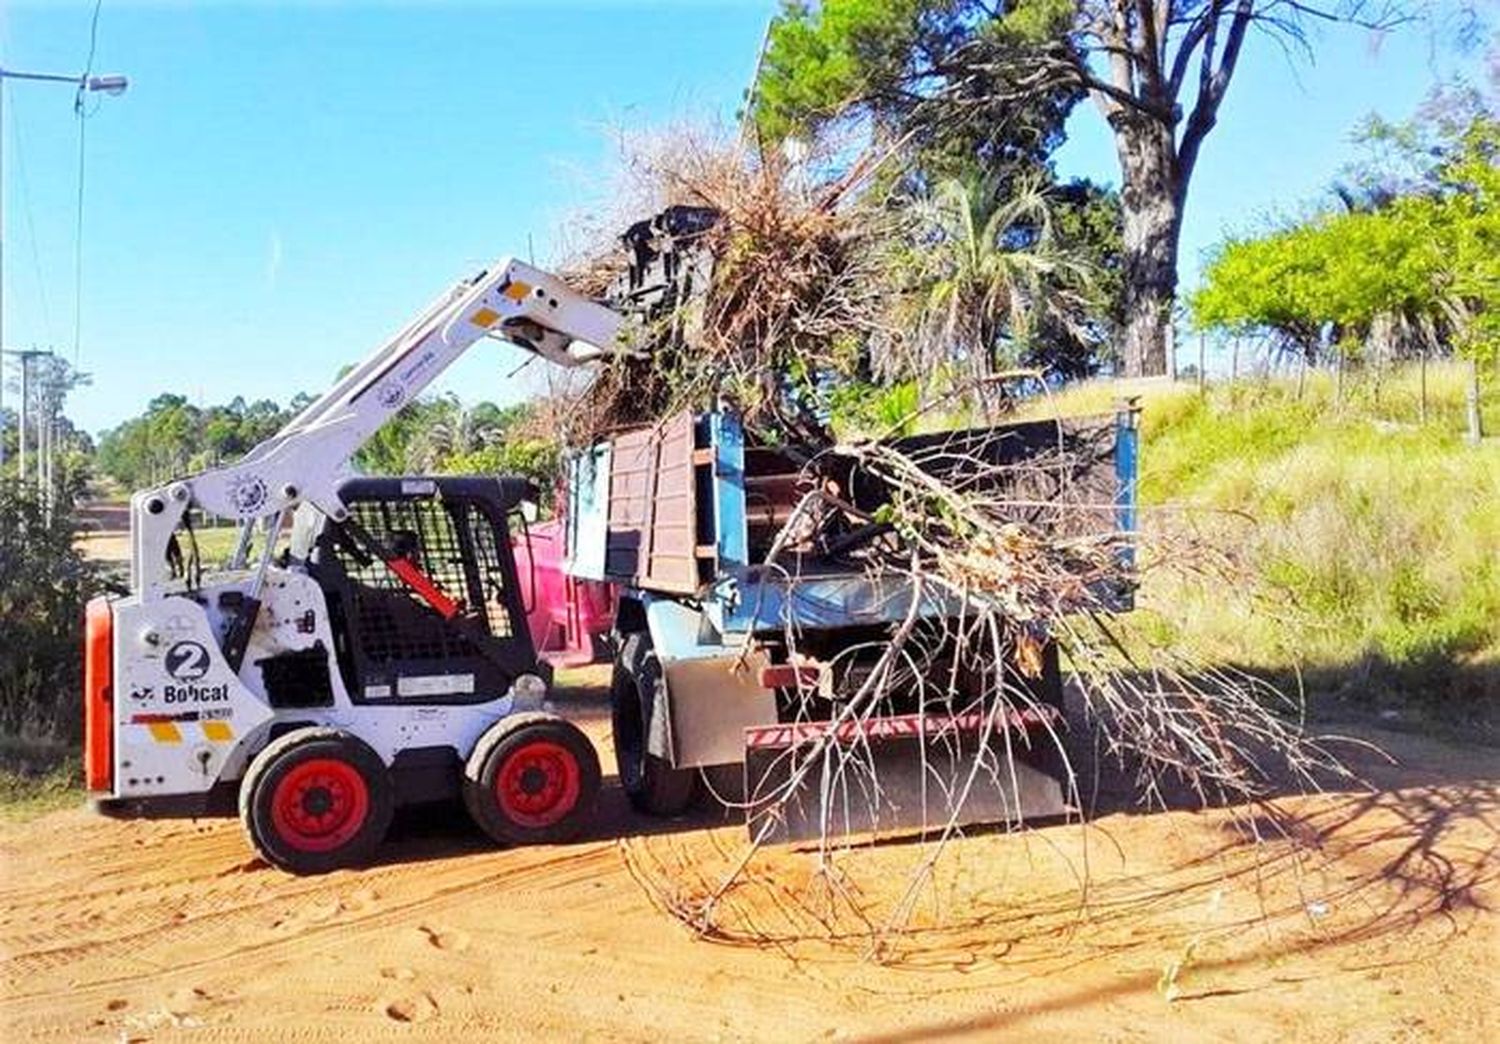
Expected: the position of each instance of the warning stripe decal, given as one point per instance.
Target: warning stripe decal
(164, 727)
(165, 732)
(905, 725)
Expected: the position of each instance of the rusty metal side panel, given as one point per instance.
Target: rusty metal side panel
(652, 509)
(632, 465)
(671, 565)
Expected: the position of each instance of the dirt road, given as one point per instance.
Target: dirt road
(1376, 925)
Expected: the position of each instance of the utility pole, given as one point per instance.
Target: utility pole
(21, 423)
(111, 84)
(45, 418)
(26, 356)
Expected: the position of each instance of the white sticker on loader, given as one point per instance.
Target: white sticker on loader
(435, 685)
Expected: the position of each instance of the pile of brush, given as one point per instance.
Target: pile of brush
(760, 287)
(751, 280)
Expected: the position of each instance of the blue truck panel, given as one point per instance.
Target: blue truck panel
(739, 597)
(586, 521)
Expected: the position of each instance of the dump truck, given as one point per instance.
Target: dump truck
(739, 646)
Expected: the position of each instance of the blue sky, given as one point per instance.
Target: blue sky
(285, 184)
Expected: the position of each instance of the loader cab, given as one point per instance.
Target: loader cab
(465, 639)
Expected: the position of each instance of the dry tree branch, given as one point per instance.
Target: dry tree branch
(1004, 547)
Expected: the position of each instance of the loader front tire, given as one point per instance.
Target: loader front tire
(532, 779)
(651, 783)
(315, 800)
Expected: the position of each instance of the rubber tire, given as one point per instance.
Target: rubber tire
(285, 753)
(503, 739)
(652, 785)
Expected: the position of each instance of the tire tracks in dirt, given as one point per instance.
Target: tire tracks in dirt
(167, 932)
(305, 935)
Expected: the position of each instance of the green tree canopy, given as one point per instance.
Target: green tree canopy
(437, 434)
(1418, 273)
(991, 81)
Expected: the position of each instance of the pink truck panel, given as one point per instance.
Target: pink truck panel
(568, 618)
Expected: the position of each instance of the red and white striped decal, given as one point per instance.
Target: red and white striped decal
(905, 725)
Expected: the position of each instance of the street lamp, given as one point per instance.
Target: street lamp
(113, 85)
(110, 84)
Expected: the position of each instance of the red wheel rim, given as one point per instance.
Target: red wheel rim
(320, 804)
(538, 784)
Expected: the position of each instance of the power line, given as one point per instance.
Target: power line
(82, 115)
(88, 66)
(26, 208)
(86, 83)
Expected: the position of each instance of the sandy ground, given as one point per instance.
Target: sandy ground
(106, 546)
(1377, 924)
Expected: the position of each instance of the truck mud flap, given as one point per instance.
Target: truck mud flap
(910, 774)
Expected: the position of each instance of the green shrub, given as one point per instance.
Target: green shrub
(44, 582)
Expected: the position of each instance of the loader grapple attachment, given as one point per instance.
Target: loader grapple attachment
(908, 774)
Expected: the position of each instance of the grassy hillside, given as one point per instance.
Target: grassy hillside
(1367, 545)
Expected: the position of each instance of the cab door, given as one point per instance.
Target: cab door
(395, 644)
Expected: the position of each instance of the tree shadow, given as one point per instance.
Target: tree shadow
(1401, 859)
(1107, 784)
(1409, 840)
(1406, 837)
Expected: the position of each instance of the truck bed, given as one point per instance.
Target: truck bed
(687, 508)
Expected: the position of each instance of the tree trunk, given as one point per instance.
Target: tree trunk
(1152, 203)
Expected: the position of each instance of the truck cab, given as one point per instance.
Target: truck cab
(389, 644)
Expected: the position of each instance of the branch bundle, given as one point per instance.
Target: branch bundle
(1009, 558)
(795, 283)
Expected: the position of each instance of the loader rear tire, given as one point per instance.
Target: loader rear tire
(316, 800)
(532, 779)
(652, 785)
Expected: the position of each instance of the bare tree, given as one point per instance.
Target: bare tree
(1159, 71)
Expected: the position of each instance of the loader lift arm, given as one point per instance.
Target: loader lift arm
(307, 459)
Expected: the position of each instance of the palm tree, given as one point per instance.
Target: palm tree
(990, 268)
(450, 429)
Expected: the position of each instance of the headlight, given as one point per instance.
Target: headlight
(529, 688)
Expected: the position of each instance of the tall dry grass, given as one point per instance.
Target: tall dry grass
(1376, 539)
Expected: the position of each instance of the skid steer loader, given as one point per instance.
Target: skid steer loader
(372, 649)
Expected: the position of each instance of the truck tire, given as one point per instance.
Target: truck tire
(532, 779)
(315, 800)
(652, 785)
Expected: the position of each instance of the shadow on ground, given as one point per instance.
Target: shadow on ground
(443, 829)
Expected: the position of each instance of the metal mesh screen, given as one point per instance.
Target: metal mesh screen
(491, 571)
(393, 621)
